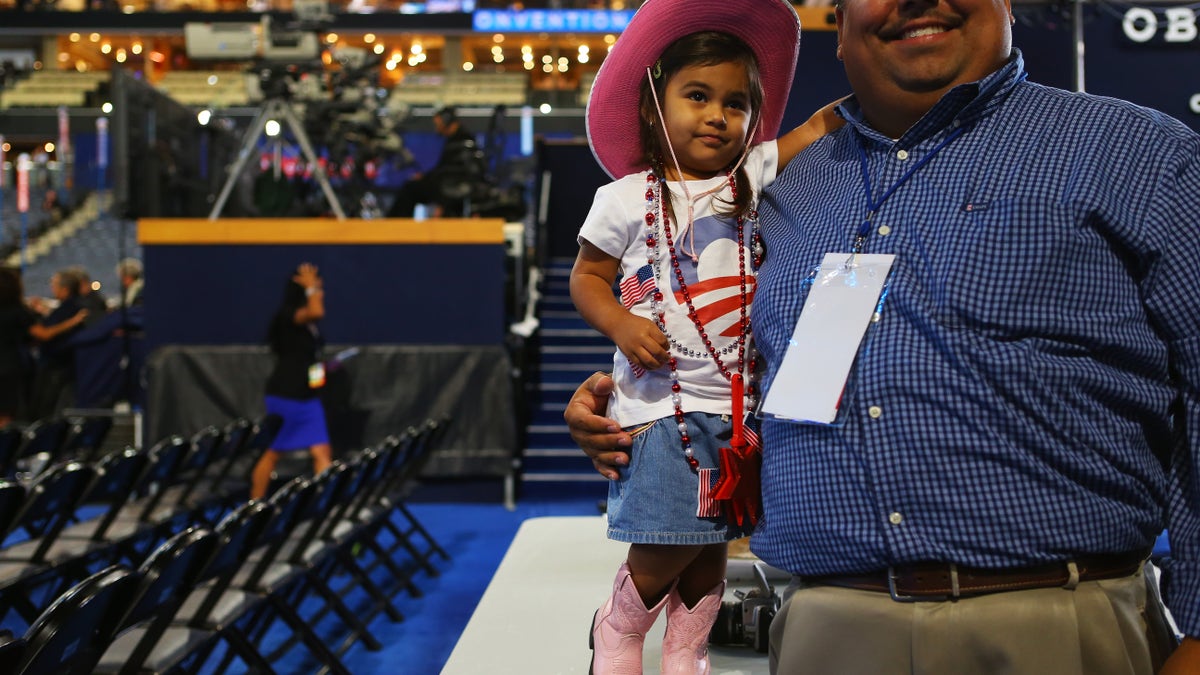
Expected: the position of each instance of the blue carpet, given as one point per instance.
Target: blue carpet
(476, 535)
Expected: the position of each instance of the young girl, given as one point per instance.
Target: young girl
(705, 82)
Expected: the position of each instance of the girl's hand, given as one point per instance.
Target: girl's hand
(641, 341)
(823, 121)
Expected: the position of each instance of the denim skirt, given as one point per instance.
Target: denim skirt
(303, 423)
(656, 498)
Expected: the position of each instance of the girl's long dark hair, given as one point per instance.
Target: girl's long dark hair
(707, 48)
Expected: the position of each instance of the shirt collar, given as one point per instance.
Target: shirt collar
(961, 106)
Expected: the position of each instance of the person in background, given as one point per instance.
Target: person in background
(90, 297)
(460, 163)
(54, 378)
(52, 209)
(294, 385)
(16, 320)
(1022, 417)
(129, 271)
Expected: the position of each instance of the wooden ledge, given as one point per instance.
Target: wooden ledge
(251, 231)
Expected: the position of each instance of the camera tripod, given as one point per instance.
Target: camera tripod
(275, 108)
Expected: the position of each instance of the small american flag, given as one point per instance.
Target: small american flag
(634, 287)
(749, 434)
(707, 507)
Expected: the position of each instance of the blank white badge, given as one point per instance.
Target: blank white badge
(812, 376)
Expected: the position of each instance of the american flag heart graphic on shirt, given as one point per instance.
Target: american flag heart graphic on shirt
(714, 285)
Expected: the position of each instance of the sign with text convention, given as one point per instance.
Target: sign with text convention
(551, 20)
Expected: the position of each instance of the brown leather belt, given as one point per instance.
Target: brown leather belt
(947, 581)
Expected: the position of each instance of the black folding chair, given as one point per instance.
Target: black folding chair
(411, 534)
(69, 637)
(212, 612)
(11, 438)
(12, 496)
(165, 459)
(283, 584)
(222, 482)
(324, 544)
(143, 521)
(203, 448)
(235, 477)
(41, 443)
(85, 437)
(356, 523)
(35, 558)
(11, 647)
(115, 484)
(167, 576)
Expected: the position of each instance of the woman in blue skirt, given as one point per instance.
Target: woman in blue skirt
(294, 385)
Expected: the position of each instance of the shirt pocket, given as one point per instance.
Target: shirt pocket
(1013, 265)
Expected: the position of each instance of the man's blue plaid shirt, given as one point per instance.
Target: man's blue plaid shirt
(1031, 390)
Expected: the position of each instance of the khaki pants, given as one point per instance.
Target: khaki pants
(1109, 627)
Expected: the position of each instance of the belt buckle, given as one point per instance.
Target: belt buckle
(899, 597)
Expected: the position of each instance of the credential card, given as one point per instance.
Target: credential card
(813, 373)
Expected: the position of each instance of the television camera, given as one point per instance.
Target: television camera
(343, 111)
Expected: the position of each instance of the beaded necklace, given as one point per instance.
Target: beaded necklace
(656, 212)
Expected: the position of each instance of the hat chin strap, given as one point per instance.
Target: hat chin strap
(686, 229)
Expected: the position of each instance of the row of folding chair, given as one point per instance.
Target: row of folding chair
(73, 633)
(333, 574)
(78, 516)
(336, 555)
(267, 557)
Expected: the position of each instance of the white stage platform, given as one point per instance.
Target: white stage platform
(534, 616)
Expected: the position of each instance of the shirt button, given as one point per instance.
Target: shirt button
(895, 518)
(901, 155)
(884, 230)
(875, 411)
(875, 317)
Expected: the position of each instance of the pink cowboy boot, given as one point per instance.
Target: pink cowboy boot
(685, 644)
(619, 629)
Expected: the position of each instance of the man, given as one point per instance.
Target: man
(54, 381)
(90, 298)
(1023, 414)
(129, 270)
(448, 183)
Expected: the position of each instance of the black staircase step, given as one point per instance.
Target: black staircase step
(566, 461)
(577, 354)
(558, 305)
(549, 413)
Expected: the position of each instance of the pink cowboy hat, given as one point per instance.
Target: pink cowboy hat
(770, 27)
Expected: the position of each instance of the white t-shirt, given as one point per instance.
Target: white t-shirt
(616, 225)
